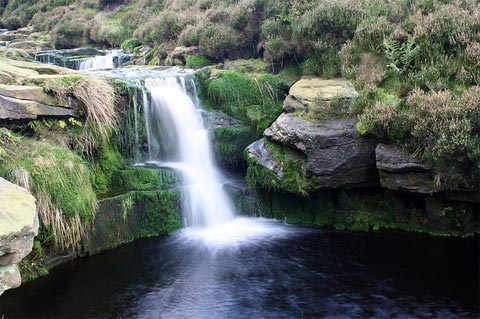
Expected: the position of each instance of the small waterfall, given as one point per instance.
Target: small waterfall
(100, 62)
(75, 58)
(174, 118)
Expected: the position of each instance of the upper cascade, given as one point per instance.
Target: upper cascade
(76, 58)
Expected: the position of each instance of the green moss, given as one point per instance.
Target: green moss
(130, 44)
(161, 211)
(254, 99)
(197, 61)
(292, 178)
(138, 178)
(108, 161)
(133, 215)
(229, 144)
(365, 210)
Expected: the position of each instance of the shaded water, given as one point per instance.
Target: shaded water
(286, 272)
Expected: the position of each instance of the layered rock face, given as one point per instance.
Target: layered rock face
(399, 171)
(26, 102)
(335, 155)
(18, 227)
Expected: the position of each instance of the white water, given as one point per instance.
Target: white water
(205, 202)
(102, 62)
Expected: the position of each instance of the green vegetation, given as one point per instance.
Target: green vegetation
(197, 61)
(229, 144)
(254, 99)
(368, 210)
(107, 161)
(290, 173)
(130, 44)
(138, 178)
(62, 186)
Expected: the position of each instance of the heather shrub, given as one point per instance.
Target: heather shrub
(448, 133)
(218, 41)
(371, 32)
(161, 28)
(72, 31)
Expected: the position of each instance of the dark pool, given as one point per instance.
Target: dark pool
(293, 272)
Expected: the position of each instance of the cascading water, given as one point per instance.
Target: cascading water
(173, 113)
(75, 58)
(110, 60)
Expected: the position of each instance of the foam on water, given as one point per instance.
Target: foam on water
(236, 233)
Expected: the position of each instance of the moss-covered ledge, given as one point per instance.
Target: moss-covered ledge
(136, 214)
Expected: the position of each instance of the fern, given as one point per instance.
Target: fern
(400, 55)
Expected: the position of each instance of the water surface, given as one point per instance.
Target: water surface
(273, 271)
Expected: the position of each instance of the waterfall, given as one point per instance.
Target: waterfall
(173, 118)
(100, 62)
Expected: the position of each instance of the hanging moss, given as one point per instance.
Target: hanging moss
(291, 176)
(370, 209)
(138, 178)
(108, 161)
(229, 144)
(133, 215)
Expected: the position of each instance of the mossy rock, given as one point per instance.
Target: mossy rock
(255, 99)
(277, 167)
(133, 215)
(229, 144)
(371, 209)
(140, 178)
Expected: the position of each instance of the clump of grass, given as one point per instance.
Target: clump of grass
(256, 100)
(97, 97)
(62, 186)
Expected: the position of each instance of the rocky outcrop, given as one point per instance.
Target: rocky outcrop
(311, 93)
(178, 55)
(18, 227)
(16, 109)
(264, 157)
(400, 171)
(330, 153)
(25, 102)
(336, 154)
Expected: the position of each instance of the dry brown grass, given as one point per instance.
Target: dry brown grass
(97, 97)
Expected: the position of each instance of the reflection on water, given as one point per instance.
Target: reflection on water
(270, 271)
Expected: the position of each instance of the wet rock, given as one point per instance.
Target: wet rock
(40, 68)
(400, 171)
(335, 153)
(258, 151)
(18, 227)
